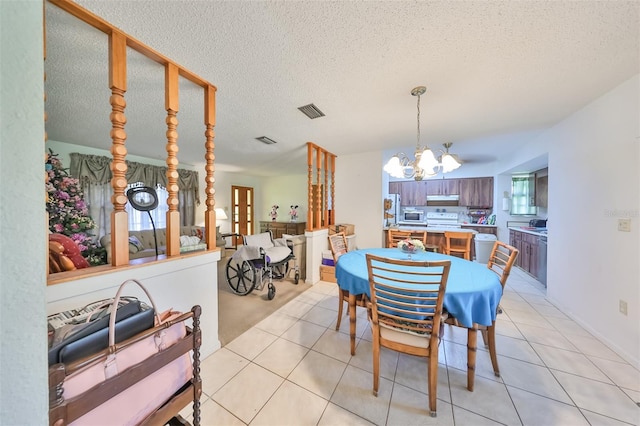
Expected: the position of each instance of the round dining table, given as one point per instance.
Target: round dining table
(472, 294)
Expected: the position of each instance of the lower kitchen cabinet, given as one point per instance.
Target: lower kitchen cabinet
(280, 228)
(527, 245)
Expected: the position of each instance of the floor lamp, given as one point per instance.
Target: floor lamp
(145, 199)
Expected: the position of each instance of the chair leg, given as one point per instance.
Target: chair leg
(485, 337)
(432, 375)
(472, 342)
(340, 303)
(491, 332)
(376, 361)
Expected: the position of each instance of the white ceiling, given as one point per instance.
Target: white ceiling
(496, 73)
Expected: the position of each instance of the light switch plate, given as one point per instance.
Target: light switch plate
(624, 225)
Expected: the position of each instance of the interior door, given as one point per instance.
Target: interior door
(243, 210)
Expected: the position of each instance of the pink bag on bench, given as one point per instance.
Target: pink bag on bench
(133, 404)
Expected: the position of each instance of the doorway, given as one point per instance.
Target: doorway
(242, 216)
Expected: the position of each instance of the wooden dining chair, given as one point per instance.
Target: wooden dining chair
(407, 321)
(395, 235)
(338, 245)
(501, 260)
(422, 236)
(458, 243)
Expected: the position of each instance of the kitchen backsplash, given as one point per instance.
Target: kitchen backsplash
(462, 211)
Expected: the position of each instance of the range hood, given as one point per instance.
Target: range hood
(442, 200)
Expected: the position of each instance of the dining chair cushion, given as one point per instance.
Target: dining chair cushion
(405, 337)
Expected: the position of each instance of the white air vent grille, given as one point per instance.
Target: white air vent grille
(311, 111)
(266, 140)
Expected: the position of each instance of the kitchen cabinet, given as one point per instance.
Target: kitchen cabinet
(442, 187)
(413, 193)
(394, 187)
(527, 245)
(482, 229)
(278, 229)
(542, 186)
(476, 192)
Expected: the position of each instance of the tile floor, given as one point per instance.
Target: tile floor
(293, 368)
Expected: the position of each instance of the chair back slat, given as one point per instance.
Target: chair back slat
(407, 295)
(501, 260)
(338, 245)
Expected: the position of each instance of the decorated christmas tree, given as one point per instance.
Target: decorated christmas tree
(68, 212)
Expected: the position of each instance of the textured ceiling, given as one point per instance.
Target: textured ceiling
(496, 72)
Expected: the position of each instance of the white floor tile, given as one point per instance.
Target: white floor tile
(363, 359)
(295, 308)
(516, 348)
(213, 413)
(623, 374)
(318, 373)
(409, 407)
(592, 346)
(335, 415)
(218, 368)
(569, 362)
(600, 398)
(250, 343)
(246, 394)
(277, 323)
(545, 336)
(281, 357)
(532, 378)
(489, 398)
(321, 316)
(536, 410)
(464, 417)
(412, 372)
(596, 419)
(355, 393)
(304, 333)
(283, 408)
(335, 345)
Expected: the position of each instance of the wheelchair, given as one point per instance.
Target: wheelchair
(260, 260)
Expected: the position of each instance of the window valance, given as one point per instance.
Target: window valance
(94, 169)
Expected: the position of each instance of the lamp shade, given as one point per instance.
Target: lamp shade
(220, 214)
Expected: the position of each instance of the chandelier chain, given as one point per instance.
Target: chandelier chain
(418, 133)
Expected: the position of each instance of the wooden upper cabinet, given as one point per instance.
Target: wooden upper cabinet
(476, 192)
(443, 187)
(542, 186)
(394, 187)
(413, 193)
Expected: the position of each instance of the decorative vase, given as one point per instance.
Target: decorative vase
(408, 250)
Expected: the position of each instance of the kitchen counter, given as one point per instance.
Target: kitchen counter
(541, 232)
(429, 229)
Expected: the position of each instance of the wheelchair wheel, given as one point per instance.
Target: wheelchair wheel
(271, 292)
(241, 277)
(296, 278)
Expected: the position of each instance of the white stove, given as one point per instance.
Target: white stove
(442, 220)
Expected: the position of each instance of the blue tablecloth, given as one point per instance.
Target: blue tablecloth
(473, 291)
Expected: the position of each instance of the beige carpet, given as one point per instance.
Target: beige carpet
(239, 313)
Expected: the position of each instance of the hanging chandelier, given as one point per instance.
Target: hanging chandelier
(424, 163)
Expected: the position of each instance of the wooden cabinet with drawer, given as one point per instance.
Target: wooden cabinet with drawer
(278, 229)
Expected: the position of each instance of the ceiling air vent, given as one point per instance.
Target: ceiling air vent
(266, 140)
(311, 111)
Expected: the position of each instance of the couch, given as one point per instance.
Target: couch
(142, 243)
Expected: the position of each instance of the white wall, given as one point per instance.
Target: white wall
(23, 330)
(594, 162)
(284, 191)
(359, 196)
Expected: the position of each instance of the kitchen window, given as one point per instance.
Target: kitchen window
(523, 192)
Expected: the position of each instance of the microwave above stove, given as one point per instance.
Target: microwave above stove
(413, 216)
